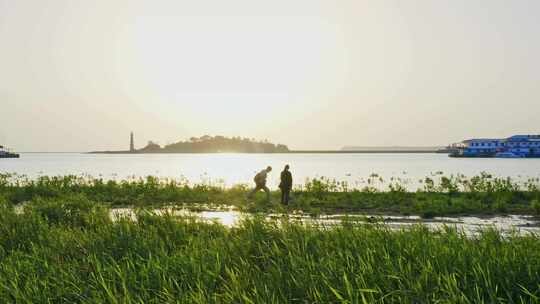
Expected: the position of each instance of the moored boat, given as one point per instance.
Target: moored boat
(4, 153)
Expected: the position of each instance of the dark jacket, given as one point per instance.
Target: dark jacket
(286, 180)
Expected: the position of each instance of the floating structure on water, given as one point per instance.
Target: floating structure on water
(517, 146)
(453, 148)
(5, 153)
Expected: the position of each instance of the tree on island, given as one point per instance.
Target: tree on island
(151, 147)
(213, 144)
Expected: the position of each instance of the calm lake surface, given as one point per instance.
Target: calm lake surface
(230, 169)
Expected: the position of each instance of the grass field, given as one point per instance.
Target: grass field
(69, 251)
(452, 195)
(64, 248)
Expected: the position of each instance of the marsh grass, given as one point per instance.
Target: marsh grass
(437, 195)
(69, 251)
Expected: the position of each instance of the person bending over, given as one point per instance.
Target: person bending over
(260, 183)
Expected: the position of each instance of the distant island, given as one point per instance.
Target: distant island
(207, 144)
(222, 144)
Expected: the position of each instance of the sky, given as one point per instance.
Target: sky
(313, 74)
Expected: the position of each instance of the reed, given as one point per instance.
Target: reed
(436, 195)
(69, 251)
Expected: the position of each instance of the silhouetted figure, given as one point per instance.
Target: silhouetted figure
(285, 185)
(260, 183)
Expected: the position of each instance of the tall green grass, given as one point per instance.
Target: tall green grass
(69, 251)
(436, 195)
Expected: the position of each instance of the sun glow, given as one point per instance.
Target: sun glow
(230, 68)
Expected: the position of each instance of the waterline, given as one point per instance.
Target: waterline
(470, 225)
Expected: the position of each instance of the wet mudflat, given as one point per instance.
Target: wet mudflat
(471, 225)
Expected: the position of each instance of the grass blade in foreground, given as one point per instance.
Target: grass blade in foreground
(82, 256)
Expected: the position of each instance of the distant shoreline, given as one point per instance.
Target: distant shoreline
(289, 152)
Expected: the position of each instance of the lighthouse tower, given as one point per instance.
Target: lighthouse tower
(131, 143)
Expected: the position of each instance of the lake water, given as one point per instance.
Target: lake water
(240, 168)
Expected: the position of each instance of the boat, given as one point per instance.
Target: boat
(5, 153)
(517, 146)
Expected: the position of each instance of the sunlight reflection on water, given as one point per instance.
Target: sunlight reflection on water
(470, 225)
(229, 168)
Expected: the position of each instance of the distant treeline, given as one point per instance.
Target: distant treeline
(210, 144)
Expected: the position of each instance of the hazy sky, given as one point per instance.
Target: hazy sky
(80, 75)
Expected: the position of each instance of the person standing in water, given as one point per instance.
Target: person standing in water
(260, 183)
(285, 185)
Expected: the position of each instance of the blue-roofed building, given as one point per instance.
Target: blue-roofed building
(517, 146)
